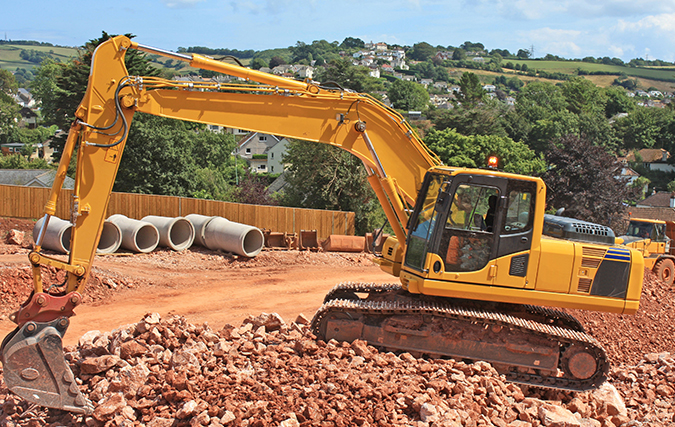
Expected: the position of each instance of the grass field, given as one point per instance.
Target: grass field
(570, 67)
(10, 58)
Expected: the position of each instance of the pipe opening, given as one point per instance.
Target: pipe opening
(146, 238)
(182, 234)
(65, 238)
(253, 242)
(111, 238)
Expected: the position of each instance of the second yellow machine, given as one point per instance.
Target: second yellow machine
(476, 270)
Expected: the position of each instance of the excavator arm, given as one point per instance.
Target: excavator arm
(395, 158)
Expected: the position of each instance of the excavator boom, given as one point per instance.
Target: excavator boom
(469, 249)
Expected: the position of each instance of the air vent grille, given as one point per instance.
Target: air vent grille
(596, 252)
(584, 285)
(590, 262)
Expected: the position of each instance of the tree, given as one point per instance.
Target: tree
(617, 102)
(276, 61)
(17, 161)
(582, 179)
(422, 51)
(459, 150)
(252, 189)
(523, 53)
(471, 90)
(352, 43)
(458, 55)
(348, 76)
(325, 177)
(409, 96)
(173, 157)
(9, 109)
(258, 63)
(646, 128)
(582, 95)
(484, 119)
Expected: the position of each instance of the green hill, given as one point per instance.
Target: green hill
(11, 56)
(571, 67)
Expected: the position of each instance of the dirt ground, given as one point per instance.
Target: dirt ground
(219, 288)
(179, 371)
(201, 285)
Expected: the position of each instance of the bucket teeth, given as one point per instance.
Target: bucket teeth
(36, 370)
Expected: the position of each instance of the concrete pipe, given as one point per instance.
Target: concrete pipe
(175, 233)
(199, 224)
(111, 238)
(137, 236)
(219, 233)
(57, 234)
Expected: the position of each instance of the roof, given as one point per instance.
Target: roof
(663, 214)
(278, 184)
(649, 155)
(32, 178)
(270, 143)
(660, 199)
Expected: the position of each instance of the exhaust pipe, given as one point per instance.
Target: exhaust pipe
(218, 233)
(137, 236)
(56, 236)
(175, 233)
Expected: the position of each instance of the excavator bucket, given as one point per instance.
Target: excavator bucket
(34, 367)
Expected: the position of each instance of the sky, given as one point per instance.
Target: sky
(624, 29)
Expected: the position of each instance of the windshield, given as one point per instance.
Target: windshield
(423, 225)
(647, 230)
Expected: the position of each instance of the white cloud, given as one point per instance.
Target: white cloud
(664, 22)
(579, 9)
(175, 4)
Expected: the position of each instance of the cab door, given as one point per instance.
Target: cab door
(468, 241)
(514, 257)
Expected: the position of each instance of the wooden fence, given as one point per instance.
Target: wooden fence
(29, 202)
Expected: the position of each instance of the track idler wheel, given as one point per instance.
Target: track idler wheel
(579, 362)
(36, 370)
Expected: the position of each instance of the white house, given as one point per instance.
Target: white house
(264, 152)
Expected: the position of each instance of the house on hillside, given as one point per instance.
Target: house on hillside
(28, 118)
(32, 178)
(24, 98)
(651, 158)
(264, 152)
(399, 63)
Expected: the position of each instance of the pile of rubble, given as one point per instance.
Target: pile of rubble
(167, 372)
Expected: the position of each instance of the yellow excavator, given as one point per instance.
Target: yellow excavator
(481, 267)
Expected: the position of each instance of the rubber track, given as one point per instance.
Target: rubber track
(450, 311)
(544, 313)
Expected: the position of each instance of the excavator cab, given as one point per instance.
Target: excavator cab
(463, 223)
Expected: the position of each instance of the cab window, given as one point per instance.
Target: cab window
(467, 240)
(519, 212)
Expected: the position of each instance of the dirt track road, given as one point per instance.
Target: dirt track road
(207, 287)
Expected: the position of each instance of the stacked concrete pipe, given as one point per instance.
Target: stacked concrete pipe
(214, 232)
(175, 233)
(58, 232)
(111, 238)
(137, 236)
(56, 236)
